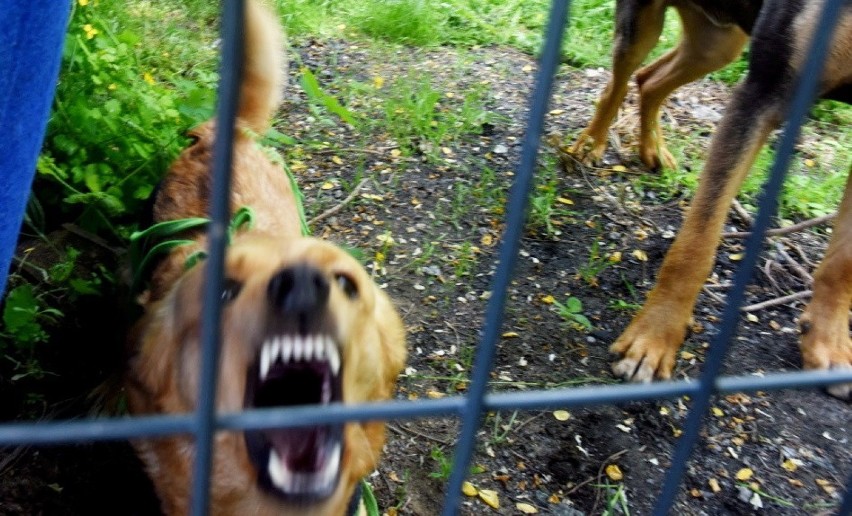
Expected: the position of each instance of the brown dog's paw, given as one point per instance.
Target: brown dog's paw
(657, 157)
(588, 148)
(649, 347)
(826, 345)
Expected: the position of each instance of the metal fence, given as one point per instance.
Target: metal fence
(470, 408)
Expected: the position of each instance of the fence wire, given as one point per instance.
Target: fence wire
(470, 408)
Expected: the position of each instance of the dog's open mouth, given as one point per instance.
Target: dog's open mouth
(297, 464)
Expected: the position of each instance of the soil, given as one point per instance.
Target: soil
(442, 207)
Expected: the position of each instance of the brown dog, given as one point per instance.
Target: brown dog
(780, 40)
(303, 323)
(714, 34)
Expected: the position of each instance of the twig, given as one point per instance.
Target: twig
(767, 270)
(401, 430)
(805, 275)
(742, 213)
(777, 301)
(805, 224)
(716, 297)
(334, 209)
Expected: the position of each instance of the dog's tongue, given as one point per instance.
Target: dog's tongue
(303, 450)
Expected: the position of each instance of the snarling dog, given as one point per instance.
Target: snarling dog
(714, 33)
(303, 323)
(780, 40)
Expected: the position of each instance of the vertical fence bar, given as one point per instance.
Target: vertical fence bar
(515, 216)
(226, 112)
(846, 503)
(805, 92)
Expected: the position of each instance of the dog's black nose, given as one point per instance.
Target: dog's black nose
(298, 290)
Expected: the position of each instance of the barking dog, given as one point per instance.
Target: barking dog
(302, 323)
(780, 39)
(714, 33)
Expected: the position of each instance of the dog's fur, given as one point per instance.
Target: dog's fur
(780, 39)
(279, 285)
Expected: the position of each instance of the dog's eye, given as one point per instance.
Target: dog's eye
(230, 290)
(345, 282)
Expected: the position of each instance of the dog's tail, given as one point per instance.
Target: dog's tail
(264, 67)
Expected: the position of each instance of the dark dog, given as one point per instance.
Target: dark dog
(714, 33)
(303, 323)
(780, 38)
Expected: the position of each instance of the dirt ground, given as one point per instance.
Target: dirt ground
(444, 217)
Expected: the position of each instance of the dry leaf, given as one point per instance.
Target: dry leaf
(489, 497)
(548, 299)
(510, 335)
(686, 355)
(640, 255)
(614, 472)
(469, 489)
(564, 200)
(526, 508)
(337, 160)
(487, 240)
(826, 486)
(619, 168)
(735, 257)
(714, 485)
(790, 465)
(556, 111)
(561, 415)
(744, 474)
(435, 394)
(328, 185)
(718, 412)
(752, 318)
(527, 68)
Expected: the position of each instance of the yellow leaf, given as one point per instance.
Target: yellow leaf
(615, 257)
(735, 257)
(714, 485)
(487, 240)
(489, 497)
(83, 3)
(556, 111)
(789, 465)
(686, 355)
(561, 415)
(147, 77)
(527, 68)
(469, 489)
(640, 255)
(695, 493)
(826, 486)
(752, 318)
(380, 257)
(378, 82)
(554, 498)
(395, 153)
(795, 482)
(337, 160)
(510, 335)
(328, 185)
(744, 474)
(526, 508)
(619, 168)
(809, 163)
(718, 412)
(614, 472)
(564, 200)
(548, 299)
(372, 197)
(435, 395)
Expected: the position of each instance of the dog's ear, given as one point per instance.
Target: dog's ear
(391, 336)
(151, 352)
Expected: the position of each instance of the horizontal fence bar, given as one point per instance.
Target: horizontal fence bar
(106, 429)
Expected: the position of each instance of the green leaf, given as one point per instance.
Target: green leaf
(315, 93)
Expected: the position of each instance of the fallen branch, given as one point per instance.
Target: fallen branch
(334, 209)
(803, 274)
(777, 301)
(805, 224)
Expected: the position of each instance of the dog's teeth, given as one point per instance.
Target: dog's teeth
(333, 356)
(298, 349)
(309, 348)
(286, 349)
(332, 465)
(277, 471)
(275, 350)
(319, 348)
(265, 360)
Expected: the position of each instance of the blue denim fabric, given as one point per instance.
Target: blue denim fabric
(31, 36)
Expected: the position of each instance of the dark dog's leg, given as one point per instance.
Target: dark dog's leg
(649, 345)
(703, 48)
(638, 24)
(825, 323)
